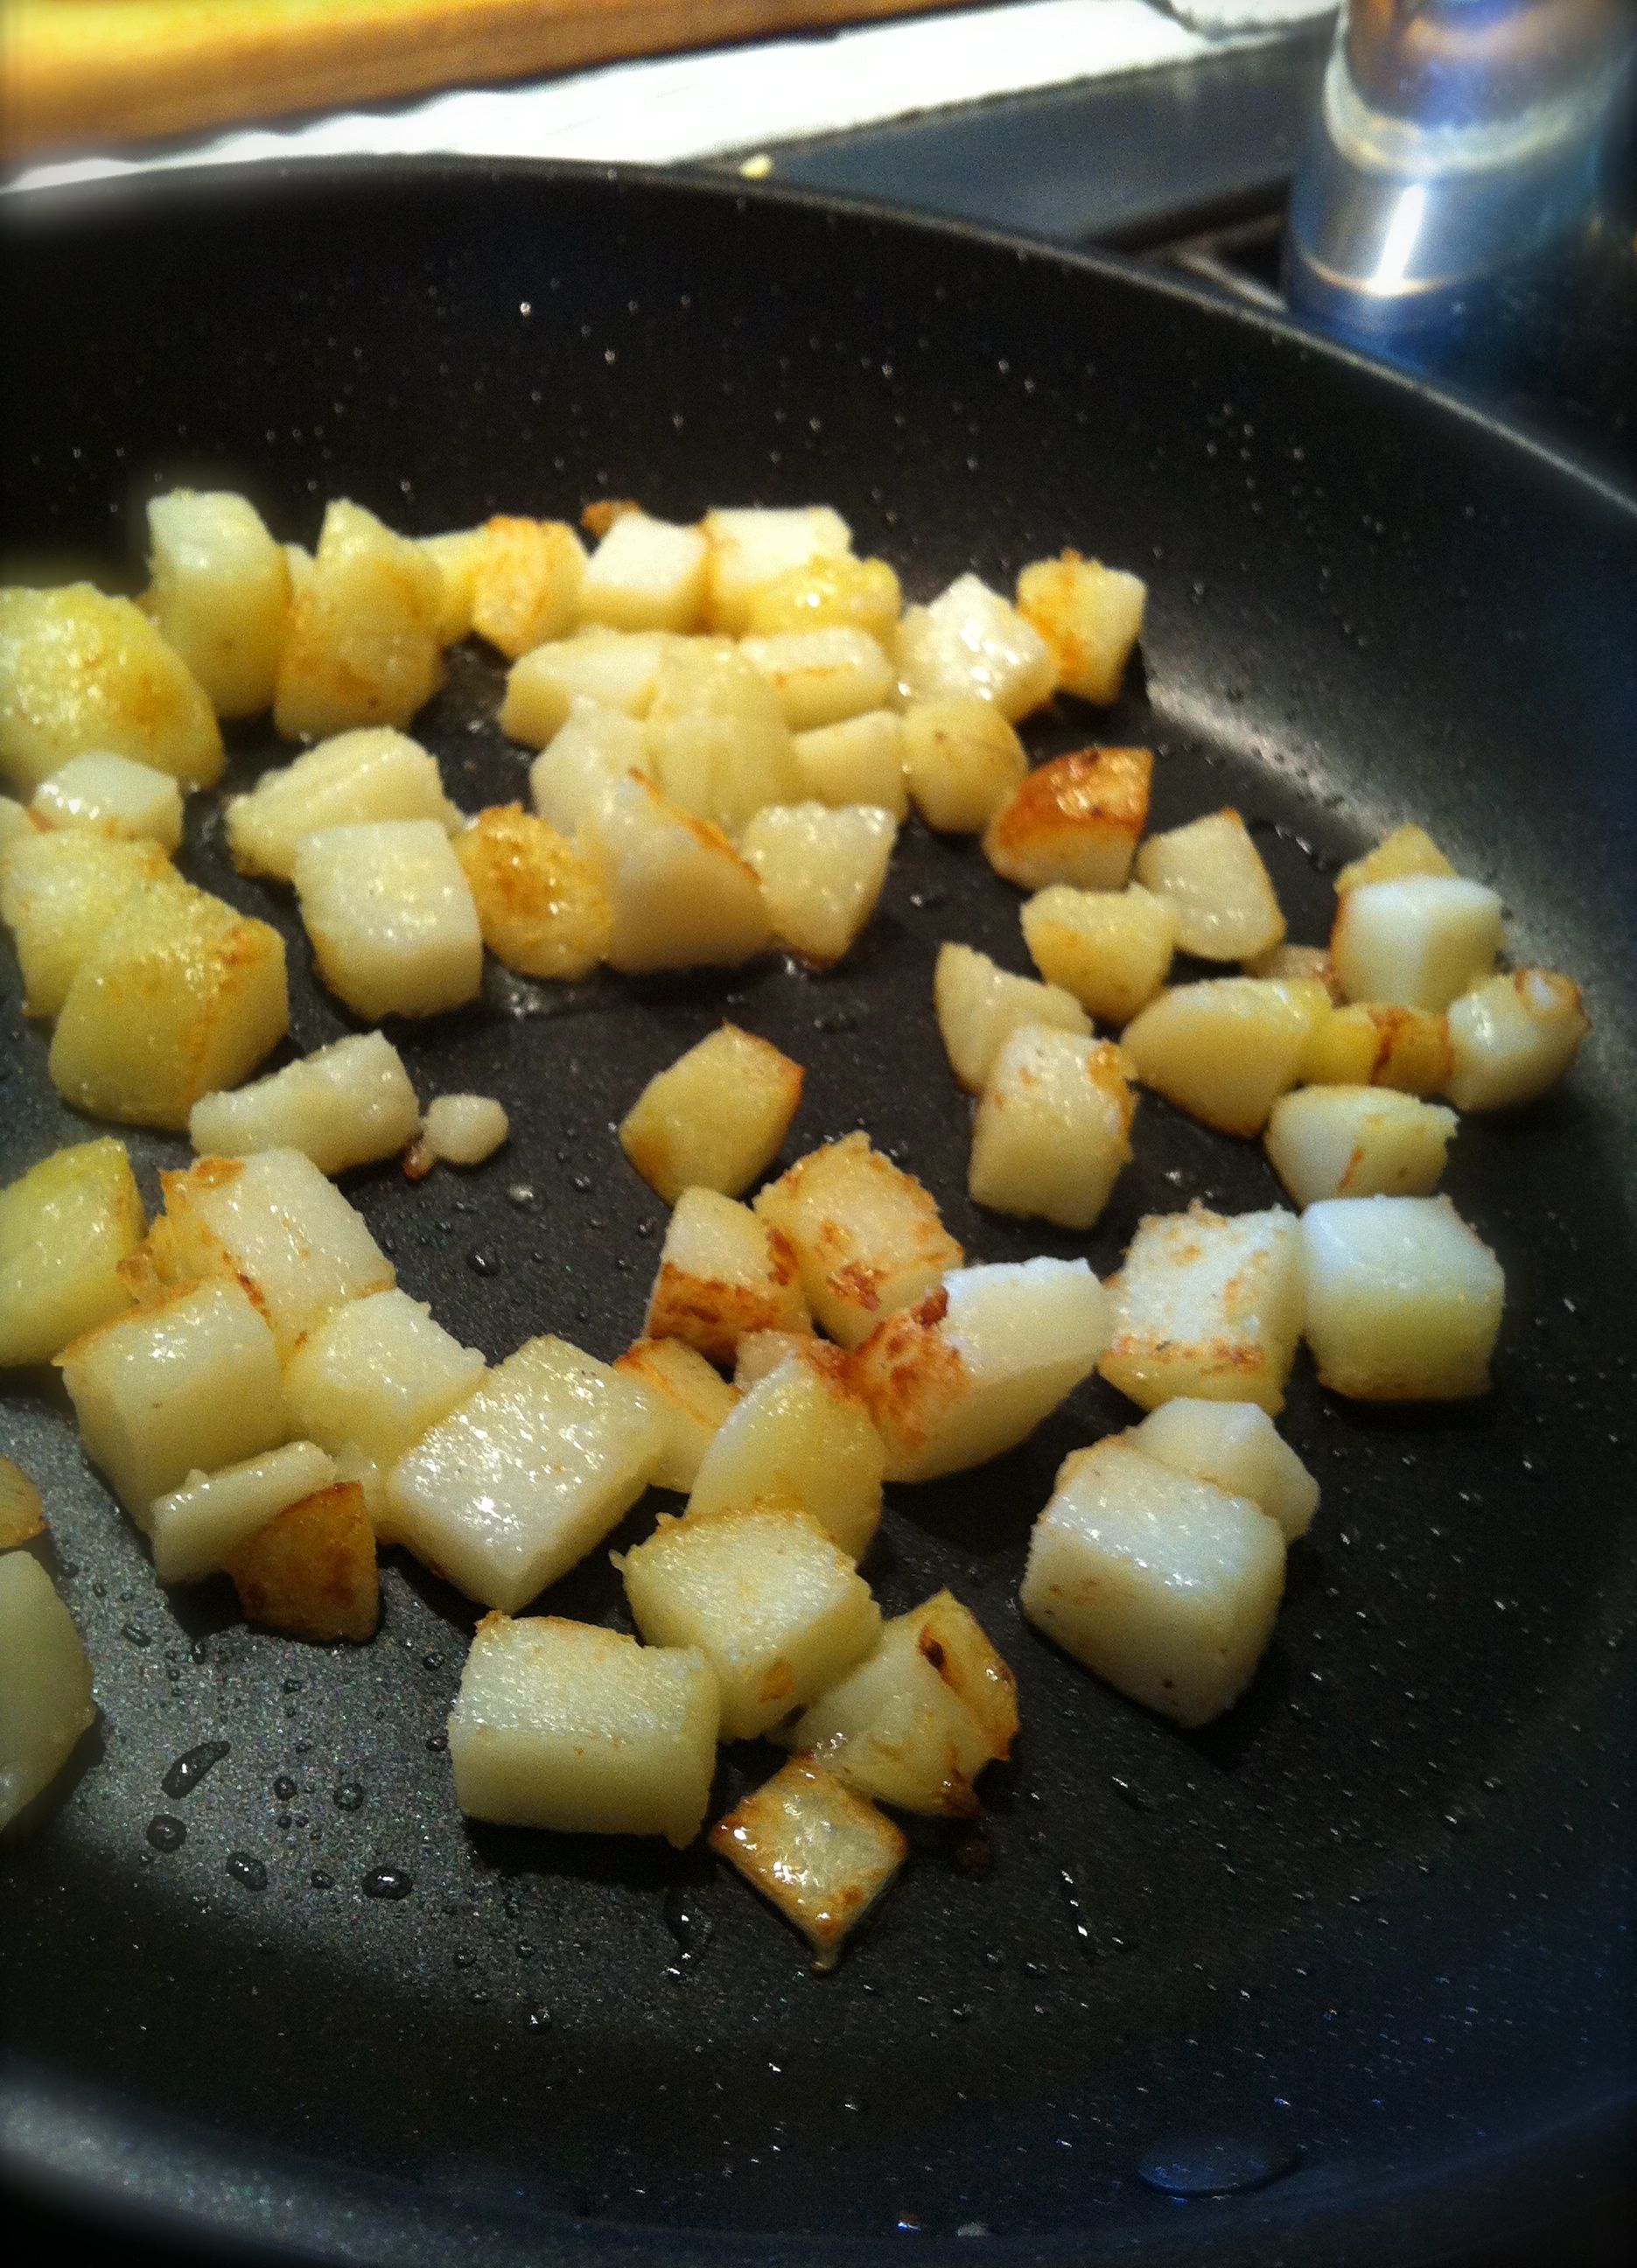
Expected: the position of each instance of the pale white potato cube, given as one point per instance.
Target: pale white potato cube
(896, 1729)
(1212, 874)
(455, 555)
(184, 1384)
(866, 1236)
(963, 761)
(718, 743)
(828, 591)
(815, 1849)
(1090, 615)
(979, 1006)
(1237, 1448)
(800, 1436)
(591, 753)
(975, 1368)
(59, 893)
(691, 1398)
(1512, 1037)
(1404, 1300)
(752, 547)
(714, 1119)
(1077, 820)
(1053, 1133)
(527, 578)
(15, 821)
(1408, 850)
(563, 1725)
(1357, 1142)
(1165, 1586)
(462, 1129)
(196, 1529)
(80, 673)
(65, 1226)
(349, 1104)
(540, 909)
(1420, 941)
(723, 1273)
(778, 1612)
(361, 643)
(220, 594)
(527, 1475)
(1372, 1043)
(391, 916)
(822, 872)
(615, 669)
(373, 774)
(1226, 1051)
(376, 1375)
(45, 1684)
(822, 676)
(971, 640)
(645, 575)
(1110, 949)
(859, 761)
(680, 894)
(111, 795)
(1207, 1304)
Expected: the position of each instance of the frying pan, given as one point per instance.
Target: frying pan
(1357, 1953)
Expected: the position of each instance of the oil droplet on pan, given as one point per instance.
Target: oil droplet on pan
(188, 1771)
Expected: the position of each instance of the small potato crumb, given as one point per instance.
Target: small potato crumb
(463, 1130)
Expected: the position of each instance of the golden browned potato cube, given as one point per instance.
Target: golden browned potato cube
(822, 676)
(45, 1684)
(962, 759)
(373, 774)
(801, 1435)
(615, 669)
(1406, 851)
(526, 584)
(718, 743)
(1076, 819)
(1212, 874)
(979, 1006)
(393, 927)
(1053, 1133)
(828, 593)
(1369, 1043)
(182, 995)
(866, 1236)
(1357, 1142)
(692, 1400)
(1208, 1305)
(971, 641)
(1418, 942)
(896, 1728)
(111, 795)
(859, 761)
(220, 594)
(1089, 615)
(83, 674)
(815, 1849)
(1404, 1300)
(951, 1636)
(59, 893)
(715, 1118)
(753, 547)
(822, 872)
(456, 557)
(1227, 1049)
(1513, 1037)
(682, 896)
(645, 575)
(362, 646)
(65, 1226)
(310, 1572)
(541, 907)
(1110, 949)
(723, 1274)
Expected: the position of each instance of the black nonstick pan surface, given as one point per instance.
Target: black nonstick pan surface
(1360, 1949)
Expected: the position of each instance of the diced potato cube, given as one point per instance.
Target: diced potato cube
(378, 1372)
(1512, 1037)
(1406, 851)
(718, 743)
(979, 1006)
(22, 1509)
(971, 641)
(394, 926)
(866, 1236)
(111, 795)
(759, 1352)
(1212, 874)
(955, 1643)
(815, 1849)
(456, 557)
(682, 896)
(961, 761)
(182, 995)
(1165, 1586)
(822, 872)
(800, 1436)
(301, 563)
(348, 1104)
(1110, 949)
(1287, 962)
(459, 1129)
(64, 1228)
(220, 594)
(723, 1273)
(312, 1571)
(751, 548)
(828, 592)
(1237, 1448)
(1090, 615)
(822, 676)
(778, 1612)
(1404, 1300)
(1357, 1142)
(374, 774)
(362, 644)
(1419, 942)
(45, 1684)
(14, 823)
(59, 893)
(541, 907)
(715, 1118)
(1208, 1306)
(197, 1528)
(1053, 1129)
(859, 761)
(185, 1384)
(1076, 819)
(525, 583)
(563, 1725)
(592, 752)
(527, 1475)
(1370, 1043)
(975, 1368)
(691, 1399)
(615, 669)
(81, 673)
(897, 1729)
(645, 575)
(1225, 1050)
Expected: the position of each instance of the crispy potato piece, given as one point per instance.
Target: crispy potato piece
(828, 593)
(220, 594)
(962, 761)
(715, 1118)
(362, 644)
(693, 1402)
(542, 910)
(1212, 874)
(80, 673)
(979, 1007)
(1110, 949)
(866, 1236)
(815, 1849)
(1406, 851)
(59, 892)
(645, 575)
(1089, 615)
(525, 583)
(1209, 1306)
(22, 1511)
(723, 1274)
(971, 640)
(1373, 1044)
(822, 872)
(1076, 819)
(1225, 1050)
(753, 547)
(66, 1227)
(310, 1572)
